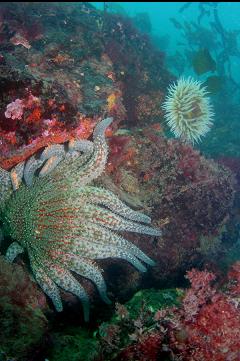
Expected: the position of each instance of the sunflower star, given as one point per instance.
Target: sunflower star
(64, 223)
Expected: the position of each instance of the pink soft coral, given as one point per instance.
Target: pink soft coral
(207, 325)
(15, 109)
(199, 293)
(215, 335)
(211, 319)
(234, 280)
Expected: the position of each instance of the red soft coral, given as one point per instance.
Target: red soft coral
(199, 293)
(147, 349)
(234, 279)
(207, 325)
(211, 319)
(215, 335)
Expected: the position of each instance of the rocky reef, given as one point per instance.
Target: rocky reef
(63, 68)
(58, 80)
(23, 310)
(189, 197)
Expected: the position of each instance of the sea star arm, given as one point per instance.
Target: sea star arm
(87, 269)
(108, 199)
(85, 146)
(97, 250)
(47, 285)
(105, 236)
(50, 164)
(30, 168)
(81, 170)
(53, 150)
(99, 131)
(52, 156)
(13, 251)
(5, 186)
(17, 175)
(95, 166)
(4, 178)
(115, 222)
(67, 282)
